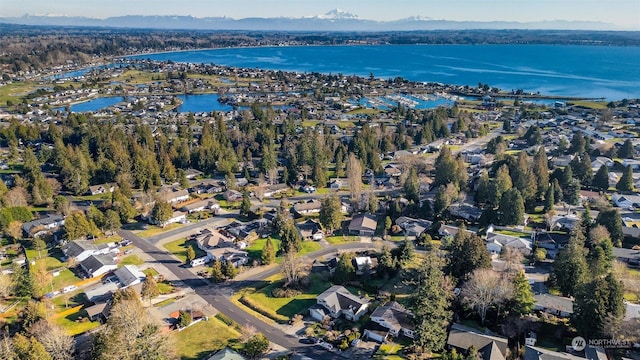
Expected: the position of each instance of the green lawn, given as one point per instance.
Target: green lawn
(73, 324)
(309, 246)
(150, 272)
(108, 239)
(131, 260)
(165, 288)
(255, 249)
(389, 351)
(66, 278)
(198, 341)
(284, 308)
(153, 230)
(340, 239)
(179, 248)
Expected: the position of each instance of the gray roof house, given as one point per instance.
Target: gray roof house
(489, 347)
(413, 227)
(97, 265)
(363, 225)
(514, 242)
(337, 301)
(40, 227)
(129, 275)
(394, 317)
(82, 249)
(552, 304)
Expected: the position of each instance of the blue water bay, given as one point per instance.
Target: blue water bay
(560, 70)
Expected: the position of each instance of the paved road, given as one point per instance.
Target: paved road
(216, 298)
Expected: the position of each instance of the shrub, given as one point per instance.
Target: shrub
(285, 292)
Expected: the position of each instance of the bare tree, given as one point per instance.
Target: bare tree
(17, 196)
(273, 176)
(512, 260)
(6, 285)
(484, 289)
(262, 186)
(354, 175)
(6, 349)
(54, 339)
(292, 269)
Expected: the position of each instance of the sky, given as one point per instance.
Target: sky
(623, 14)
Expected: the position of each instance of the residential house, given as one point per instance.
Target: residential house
(273, 190)
(565, 222)
(99, 312)
(338, 301)
(209, 186)
(338, 184)
(634, 163)
(465, 211)
(626, 201)
(176, 217)
(600, 161)
(392, 171)
(494, 240)
(100, 189)
(202, 205)
(310, 230)
(232, 196)
(364, 264)
(395, 318)
(82, 249)
(629, 256)
(489, 347)
(97, 265)
(43, 226)
(101, 292)
(129, 275)
(191, 174)
(229, 255)
(555, 305)
(172, 195)
(249, 230)
(562, 161)
(552, 242)
(220, 245)
(363, 225)
(448, 230)
(413, 227)
(226, 354)
(307, 207)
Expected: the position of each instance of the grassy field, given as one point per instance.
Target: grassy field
(309, 246)
(198, 341)
(179, 248)
(598, 105)
(108, 239)
(388, 351)
(153, 230)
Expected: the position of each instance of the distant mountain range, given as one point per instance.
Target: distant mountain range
(334, 20)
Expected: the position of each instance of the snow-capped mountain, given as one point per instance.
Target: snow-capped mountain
(337, 14)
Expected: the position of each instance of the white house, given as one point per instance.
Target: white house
(129, 275)
(626, 201)
(394, 317)
(97, 265)
(494, 240)
(337, 301)
(82, 249)
(42, 226)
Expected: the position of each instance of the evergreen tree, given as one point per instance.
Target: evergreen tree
(511, 208)
(229, 270)
(570, 267)
(430, 304)
(626, 150)
(557, 191)
(161, 212)
(330, 214)
(268, 255)
(601, 178)
(216, 272)
(467, 253)
(625, 184)
(29, 348)
(411, 187)
(484, 186)
(523, 300)
(345, 271)
(190, 254)
(407, 251)
(245, 207)
(595, 302)
(500, 185)
(549, 200)
(256, 346)
(541, 172)
(610, 219)
(572, 192)
(290, 238)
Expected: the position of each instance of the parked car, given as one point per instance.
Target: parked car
(326, 345)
